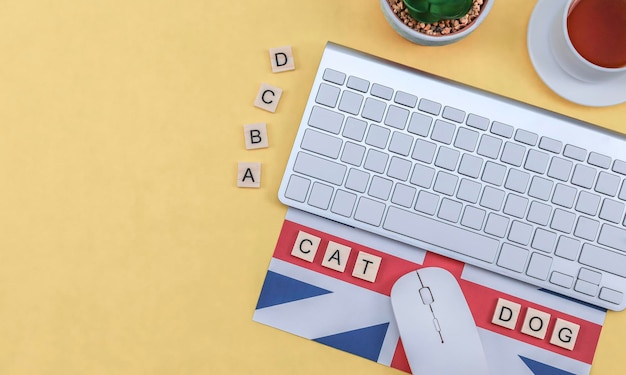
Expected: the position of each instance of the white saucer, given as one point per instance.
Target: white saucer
(597, 94)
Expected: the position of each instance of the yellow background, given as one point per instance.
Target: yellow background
(125, 245)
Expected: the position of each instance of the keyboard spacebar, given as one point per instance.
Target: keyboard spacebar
(441, 234)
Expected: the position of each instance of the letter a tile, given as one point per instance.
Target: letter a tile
(336, 256)
(249, 175)
(282, 59)
(268, 97)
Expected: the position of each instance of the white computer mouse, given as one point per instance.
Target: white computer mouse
(436, 326)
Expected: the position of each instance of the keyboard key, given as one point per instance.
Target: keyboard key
(297, 188)
(429, 106)
(369, 211)
(501, 129)
(354, 129)
(575, 153)
(520, 232)
(466, 139)
(539, 266)
(567, 248)
(562, 220)
(517, 180)
(586, 228)
(477, 122)
(321, 143)
(445, 183)
(396, 117)
(526, 137)
(540, 188)
(319, 168)
(403, 195)
(473, 217)
(447, 158)
(512, 257)
(469, 190)
(443, 132)
(561, 279)
(377, 136)
(400, 143)
(590, 276)
(427, 202)
(357, 180)
(325, 119)
(493, 173)
(343, 204)
(603, 259)
(381, 91)
(564, 195)
(585, 287)
(453, 114)
(350, 102)
(422, 176)
(334, 76)
(537, 161)
(612, 211)
(399, 168)
(375, 161)
(550, 144)
(420, 124)
(611, 295)
(513, 154)
(470, 165)
(515, 205)
(450, 210)
(619, 166)
(489, 146)
(327, 95)
(358, 84)
(543, 240)
(599, 160)
(405, 99)
(583, 176)
(560, 168)
(424, 151)
(380, 188)
(539, 213)
(353, 153)
(607, 184)
(613, 236)
(587, 203)
(496, 225)
(456, 240)
(492, 198)
(320, 195)
(373, 109)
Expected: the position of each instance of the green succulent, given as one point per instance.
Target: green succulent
(429, 11)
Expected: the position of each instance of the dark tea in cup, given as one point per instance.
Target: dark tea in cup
(597, 30)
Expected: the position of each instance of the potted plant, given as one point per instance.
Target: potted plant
(435, 22)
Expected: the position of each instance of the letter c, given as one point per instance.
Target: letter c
(263, 96)
(303, 241)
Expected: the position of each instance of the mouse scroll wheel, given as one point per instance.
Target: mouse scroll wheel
(427, 296)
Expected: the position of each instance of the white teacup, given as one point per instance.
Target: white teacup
(570, 60)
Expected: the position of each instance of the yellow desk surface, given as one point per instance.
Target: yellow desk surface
(125, 245)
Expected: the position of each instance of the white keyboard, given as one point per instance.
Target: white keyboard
(477, 177)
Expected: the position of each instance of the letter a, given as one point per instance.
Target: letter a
(249, 175)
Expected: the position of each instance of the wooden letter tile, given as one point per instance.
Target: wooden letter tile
(336, 256)
(268, 97)
(255, 136)
(506, 313)
(366, 266)
(282, 59)
(305, 246)
(249, 175)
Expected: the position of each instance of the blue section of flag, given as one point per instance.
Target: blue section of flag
(278, 289)
(539, 368)
(365, 342)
